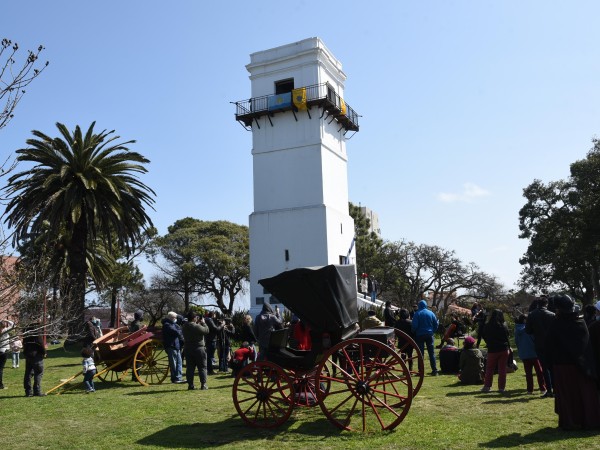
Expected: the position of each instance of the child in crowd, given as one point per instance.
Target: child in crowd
(526, 349)
(89, 369)
(15, 347)
(241, 357)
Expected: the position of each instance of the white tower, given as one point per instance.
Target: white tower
(299, 122)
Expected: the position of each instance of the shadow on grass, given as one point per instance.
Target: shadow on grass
(544, 435)
(229, 431)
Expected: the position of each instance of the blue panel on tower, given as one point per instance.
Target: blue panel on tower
(280, 101)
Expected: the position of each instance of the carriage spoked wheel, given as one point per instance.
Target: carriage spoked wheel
(408, 349)
(151, 362)
(111, 376)
(261, 395)
(370, 386)
(305, 386)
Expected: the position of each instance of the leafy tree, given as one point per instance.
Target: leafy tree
(15, 76)
(174, 254)
(202, 257)
(560, 219)
(155, 301)
(410, 270)
(368, 243)
(83, 192)
(224, 261)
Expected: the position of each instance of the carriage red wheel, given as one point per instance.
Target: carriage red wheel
(370, 386)
(261, 395)
(408, 349)
(305, 386)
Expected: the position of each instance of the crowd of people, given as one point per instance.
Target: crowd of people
(554, 340)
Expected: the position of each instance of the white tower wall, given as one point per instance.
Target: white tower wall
(300, 216)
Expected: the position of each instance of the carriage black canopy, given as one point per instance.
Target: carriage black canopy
(324, 297)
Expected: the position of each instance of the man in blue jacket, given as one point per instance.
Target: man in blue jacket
(424, 324)
(173, 340)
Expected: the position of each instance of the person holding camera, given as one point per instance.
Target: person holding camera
(194, 331)
(224, 344)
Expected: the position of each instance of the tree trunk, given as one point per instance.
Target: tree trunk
(113, 307)
(78, 275)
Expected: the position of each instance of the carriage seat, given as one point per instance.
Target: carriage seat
(282, 355)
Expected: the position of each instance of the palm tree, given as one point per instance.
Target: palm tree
(83, 192)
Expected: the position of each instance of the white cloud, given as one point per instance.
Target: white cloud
(470, 193)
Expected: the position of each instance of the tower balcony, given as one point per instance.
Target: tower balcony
(323, 96)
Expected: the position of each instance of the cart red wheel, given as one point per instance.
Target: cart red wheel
(408, 349)
(305, 386)
(370, 386)
(111, 376)
(261, 395)
(151, 362)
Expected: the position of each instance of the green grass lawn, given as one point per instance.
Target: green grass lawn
(127, 415)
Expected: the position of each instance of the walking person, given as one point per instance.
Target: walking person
(495, 335)
(537, 324)
(424, 324)
(34, 352)
(194, 332)
(5, 327)
(89, 369)
(173, 340)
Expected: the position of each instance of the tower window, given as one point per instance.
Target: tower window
(284, 86)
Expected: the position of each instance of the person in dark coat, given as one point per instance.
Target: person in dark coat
(91, 332)
(211, 341)
(35, 352)
(224, 344)
(470, 363)
(194, 331)
(404, 324)
(449, 357)
(137, 324)
(173, 342)
(264, 324)
(571, 356)
(389, 318)
(479, 319)
(537, 324)
(495, 335)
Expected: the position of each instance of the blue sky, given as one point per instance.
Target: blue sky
(463, 103)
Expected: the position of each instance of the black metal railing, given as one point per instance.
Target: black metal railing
(321, 94)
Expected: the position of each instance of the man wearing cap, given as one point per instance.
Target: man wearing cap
(194, 331)
(173, 340)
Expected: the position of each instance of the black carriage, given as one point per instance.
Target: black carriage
(361, 380)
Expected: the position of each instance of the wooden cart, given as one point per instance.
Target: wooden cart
(119, 351)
